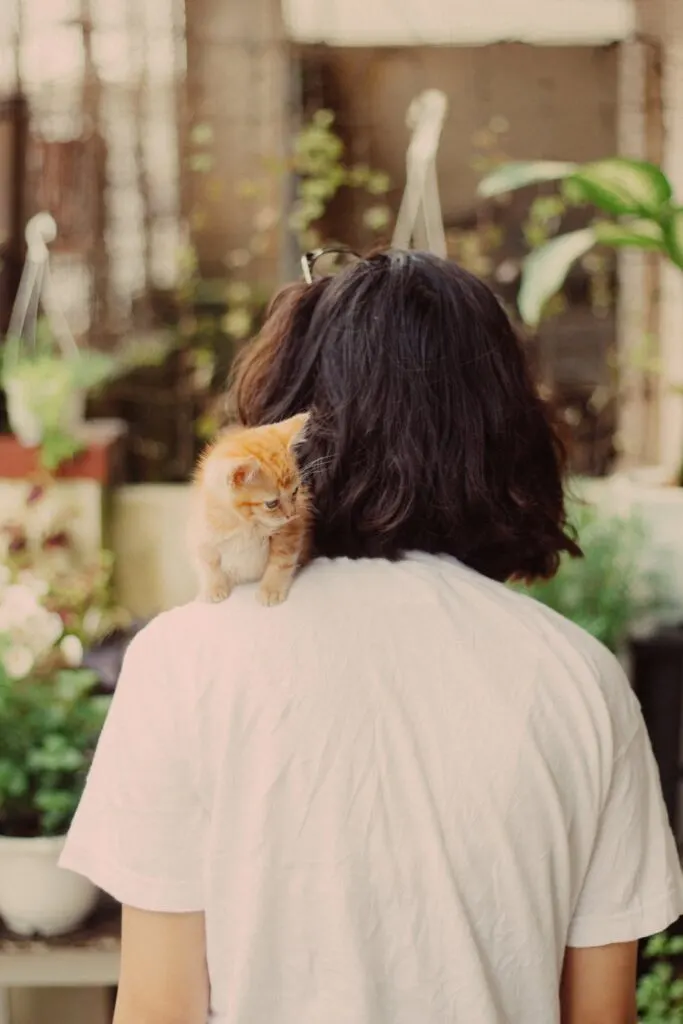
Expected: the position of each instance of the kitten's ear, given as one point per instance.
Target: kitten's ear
(230, 472)
(298, 426)
(241, 471)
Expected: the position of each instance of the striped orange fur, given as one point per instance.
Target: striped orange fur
(250, 514)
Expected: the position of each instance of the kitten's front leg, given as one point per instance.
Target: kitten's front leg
(283, 561)
(275, 586)
(214, 583)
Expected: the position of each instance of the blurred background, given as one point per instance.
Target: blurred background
(169, 142)
(186, 153)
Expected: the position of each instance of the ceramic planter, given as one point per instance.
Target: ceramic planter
(36, 896)
(27, 398)
(101, 459)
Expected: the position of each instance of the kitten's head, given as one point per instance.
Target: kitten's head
(255, 470)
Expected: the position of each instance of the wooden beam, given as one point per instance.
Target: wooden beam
(459, 22)
(671, 305)
(237, 84)
(640, 136)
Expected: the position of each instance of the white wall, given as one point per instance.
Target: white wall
(458, 22)
(148, 533)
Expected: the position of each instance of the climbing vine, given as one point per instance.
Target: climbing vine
(218, 315)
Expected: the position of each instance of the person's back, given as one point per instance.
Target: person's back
(402, 775)
(408, 795)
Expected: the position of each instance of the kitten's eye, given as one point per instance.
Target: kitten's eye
(271, 505)
(295, 492)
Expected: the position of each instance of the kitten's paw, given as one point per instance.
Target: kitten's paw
(269, 594)
(216, 592)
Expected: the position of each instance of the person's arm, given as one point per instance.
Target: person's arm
(163, 977)
(599, 985)
(140, 829)
(632, 885)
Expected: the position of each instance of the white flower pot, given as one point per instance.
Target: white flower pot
(36, 896)
(25, 402)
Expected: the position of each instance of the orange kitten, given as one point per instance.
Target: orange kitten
(250, 519)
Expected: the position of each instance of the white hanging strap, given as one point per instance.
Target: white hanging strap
(419, 217)
(35, 290)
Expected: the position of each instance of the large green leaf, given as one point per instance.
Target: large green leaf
(622, 186)
(640, 234)
(527, 172)
(545, 271)
(673, 235)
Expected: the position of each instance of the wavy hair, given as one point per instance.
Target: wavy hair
(427, 431)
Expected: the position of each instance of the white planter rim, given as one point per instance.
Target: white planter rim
(32, 845)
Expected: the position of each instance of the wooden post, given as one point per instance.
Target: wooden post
(237, 83)
(640, 136)
(651, 292)
(671, 307)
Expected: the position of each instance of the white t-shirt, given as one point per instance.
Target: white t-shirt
(397, 797)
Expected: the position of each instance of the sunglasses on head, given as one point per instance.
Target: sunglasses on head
(329, 260)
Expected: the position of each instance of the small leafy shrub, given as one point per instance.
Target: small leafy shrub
(660, 990)
(50, 724)
(607, 591)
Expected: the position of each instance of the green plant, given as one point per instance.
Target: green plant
(81, 372)
(660, 990)
(219, 314)
(50, 725)
(638, 210)
(55, 603)
(41, 383)
(638, 207)
(318, 163)
(607, 591)
(486, 243)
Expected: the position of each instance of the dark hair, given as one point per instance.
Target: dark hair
(427, 432)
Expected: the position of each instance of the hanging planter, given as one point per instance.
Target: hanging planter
(31, 391)
(47, 392)
(44, 373)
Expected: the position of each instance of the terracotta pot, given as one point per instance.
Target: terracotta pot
(100, 460)
(36, 896)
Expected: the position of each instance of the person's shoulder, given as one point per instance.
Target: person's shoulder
(570, 651)
(181, 649)
(563, 650)
(176, 627)
(185, 631)
(158, 640)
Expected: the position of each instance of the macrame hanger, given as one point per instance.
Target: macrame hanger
(35, 291)
(419, 217)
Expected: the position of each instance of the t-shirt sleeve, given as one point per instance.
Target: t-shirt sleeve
(633, 887)
(139, 830)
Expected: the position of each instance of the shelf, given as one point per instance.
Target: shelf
(87, 957)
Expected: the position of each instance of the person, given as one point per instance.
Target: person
(410, 794)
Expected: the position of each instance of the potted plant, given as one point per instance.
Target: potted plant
(54, 605)
(47, 390)
(608, 592)
(636, 208)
